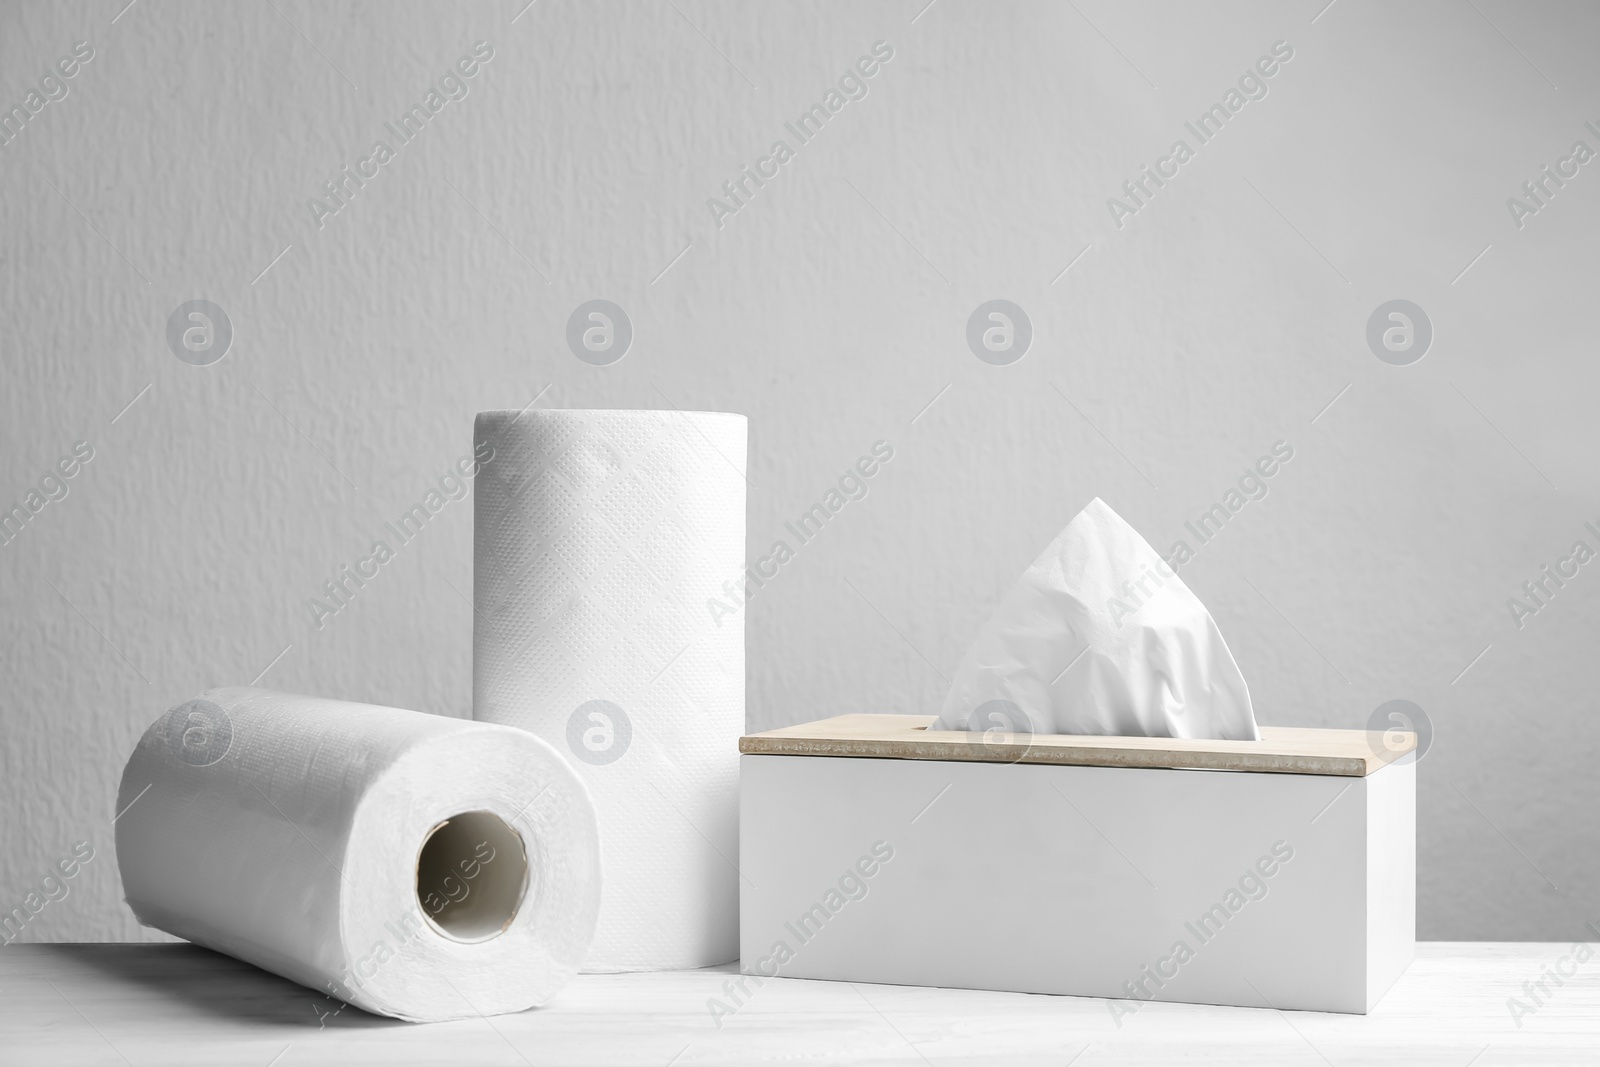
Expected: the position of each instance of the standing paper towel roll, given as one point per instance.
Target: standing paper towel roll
(603, 543)
(413, 865)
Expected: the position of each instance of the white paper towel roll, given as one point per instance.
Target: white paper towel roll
(413, 865)
(600, 540)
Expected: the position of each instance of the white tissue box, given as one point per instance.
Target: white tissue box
(1274, 873)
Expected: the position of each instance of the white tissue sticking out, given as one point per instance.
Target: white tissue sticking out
(1100, 636)
(413, 865)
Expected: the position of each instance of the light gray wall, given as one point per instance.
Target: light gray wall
(1221, 318)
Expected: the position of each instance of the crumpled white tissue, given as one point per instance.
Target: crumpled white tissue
(1101, 636)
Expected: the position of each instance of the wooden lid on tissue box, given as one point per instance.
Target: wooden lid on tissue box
(1281, 750)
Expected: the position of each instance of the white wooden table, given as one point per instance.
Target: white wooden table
(176, 1004)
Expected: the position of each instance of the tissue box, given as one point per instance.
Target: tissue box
(1275, 873)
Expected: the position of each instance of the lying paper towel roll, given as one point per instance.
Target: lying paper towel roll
(413, 865)
(604, 542)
